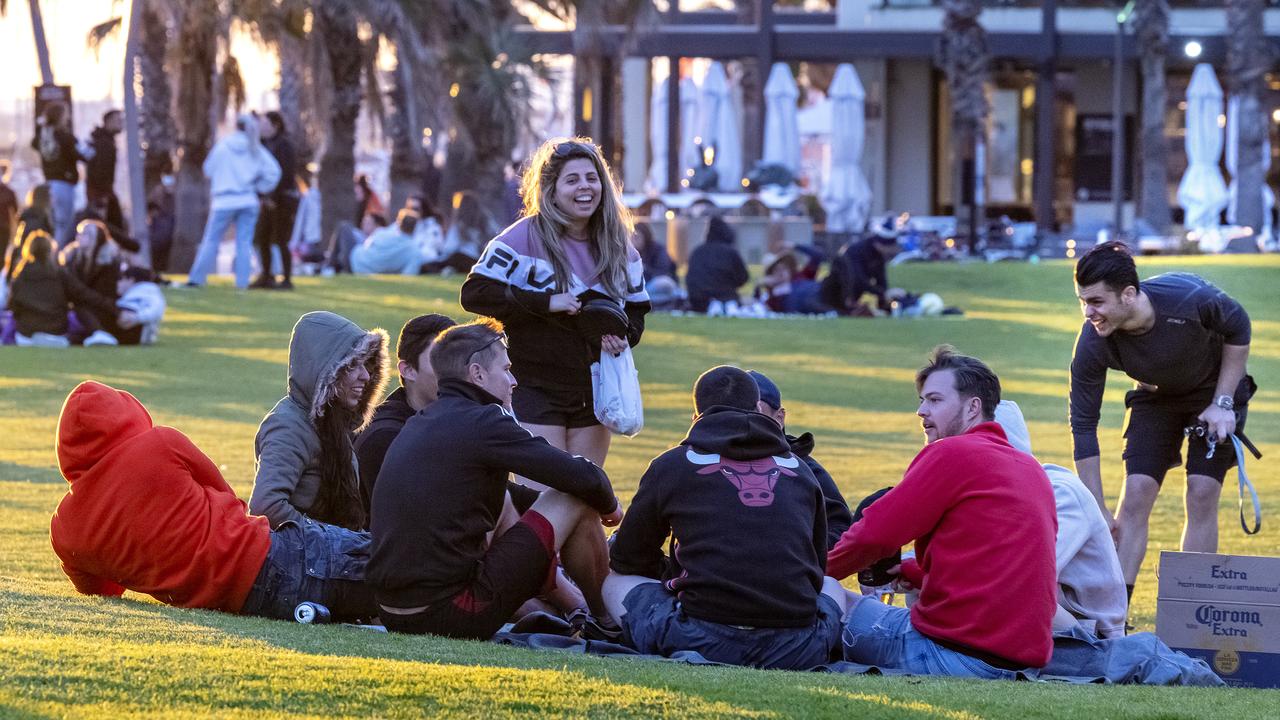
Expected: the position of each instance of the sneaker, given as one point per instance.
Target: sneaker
(285, 284)
(190, 285)
(588, 627)
(100, 337)
(264, 282)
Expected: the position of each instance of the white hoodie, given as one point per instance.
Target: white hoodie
(1090, 582)
(146, 301)
(240, 169)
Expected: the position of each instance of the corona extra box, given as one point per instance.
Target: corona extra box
(1225, 609)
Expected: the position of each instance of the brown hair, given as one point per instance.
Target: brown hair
(609, 227)
(972, 377)
(457, 347)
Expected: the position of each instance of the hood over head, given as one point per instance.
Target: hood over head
(1009, 416)
(321, 344)
(95, 420)
(736, 434)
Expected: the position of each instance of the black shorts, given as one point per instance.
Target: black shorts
(518, 565)
(559, 407)
(1154, 433)
(522, 496)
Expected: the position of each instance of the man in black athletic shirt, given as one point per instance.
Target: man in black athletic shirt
(1185, 343)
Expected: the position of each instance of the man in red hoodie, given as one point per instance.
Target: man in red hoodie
(148, 512)
(983, 520)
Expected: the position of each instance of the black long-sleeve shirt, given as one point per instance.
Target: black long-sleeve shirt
(839, 518)
(441, 489)
(1180, 355)
(748, 521)
(859, 268)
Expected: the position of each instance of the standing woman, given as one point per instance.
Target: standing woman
(571, 247)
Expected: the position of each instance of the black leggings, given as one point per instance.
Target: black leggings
(275, 225)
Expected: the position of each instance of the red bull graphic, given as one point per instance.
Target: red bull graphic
(754, 479)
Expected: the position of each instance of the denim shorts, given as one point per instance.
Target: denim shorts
(315, 562)
(656, 624)
(882, 635)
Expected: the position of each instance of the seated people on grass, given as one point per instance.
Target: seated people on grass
(982, 517)
(417, 390)
(390, 250)
(1091, 590)
(148, 512)
(306, 466)
(749, 530)
(43, 291)
(837, 510)
(450, 556)
(141, 306)
(859, 268)
(716, 270)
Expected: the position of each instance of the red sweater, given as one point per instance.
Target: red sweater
(147, 511)
(983, 519)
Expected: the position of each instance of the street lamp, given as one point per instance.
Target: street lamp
(1117, 120)
(1193, 49)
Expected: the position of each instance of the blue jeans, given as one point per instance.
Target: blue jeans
(656, 624)
(62, 197)
(313, 562)
(882, 635)
(245, 219)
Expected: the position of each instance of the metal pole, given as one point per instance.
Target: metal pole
(1117, 129)
(673, 124)
(132, 137)
(1044, 169)
(42, 46)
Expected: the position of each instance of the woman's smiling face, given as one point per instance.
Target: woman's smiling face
(578, 189)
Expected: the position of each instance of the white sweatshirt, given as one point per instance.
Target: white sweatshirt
(146, 301)
(1090, 582)
(240, 169)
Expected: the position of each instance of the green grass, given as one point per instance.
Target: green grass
(221, 365)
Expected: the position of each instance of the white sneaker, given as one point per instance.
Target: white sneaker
(100, 337)
(327, 271)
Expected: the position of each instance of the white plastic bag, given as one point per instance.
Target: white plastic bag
(615, 385)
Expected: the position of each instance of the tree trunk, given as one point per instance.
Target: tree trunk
(405, 129)
(159, 134)
(1248, 58)
(293, 93)
(337, 24)
(133, 139)
(197, 52)
(751, 85)
(1151, 19)
(965, 58)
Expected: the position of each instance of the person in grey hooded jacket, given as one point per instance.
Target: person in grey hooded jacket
(239, 169)
(306, 465)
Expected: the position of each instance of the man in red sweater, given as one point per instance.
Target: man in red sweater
(148, 512)
(983, 520)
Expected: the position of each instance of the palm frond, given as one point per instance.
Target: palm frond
(99, 33)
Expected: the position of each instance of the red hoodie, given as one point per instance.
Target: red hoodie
(147, 511)
(983, 519)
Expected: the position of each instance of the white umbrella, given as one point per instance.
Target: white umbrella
(781, 129)
(719, 128)
(1232, 160)
(1202, 193)
(689, 157)
(657, 180)
(846, 195)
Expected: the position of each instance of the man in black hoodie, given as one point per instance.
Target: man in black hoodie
(745, 584)
(444, 560)
(100, 168)
(838, 516)
(716, 270)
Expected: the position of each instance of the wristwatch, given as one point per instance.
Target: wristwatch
(1225, 402)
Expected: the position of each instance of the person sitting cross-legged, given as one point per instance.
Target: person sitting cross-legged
(745, 582)
(981, 514)
(147, 511)
(450, 555)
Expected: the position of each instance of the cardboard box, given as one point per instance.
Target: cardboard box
(1224, 609)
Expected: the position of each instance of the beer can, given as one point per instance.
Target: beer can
(310, 613)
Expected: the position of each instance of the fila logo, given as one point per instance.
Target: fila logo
(1176, 321)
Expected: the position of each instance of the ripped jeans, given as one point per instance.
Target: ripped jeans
(313, 562)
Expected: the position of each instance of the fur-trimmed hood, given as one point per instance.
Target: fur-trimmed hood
(322, 343)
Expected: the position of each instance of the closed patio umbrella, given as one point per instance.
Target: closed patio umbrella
(1202, 193)
(846, 196)
(781, 130)
(719, 128)
(657, 180)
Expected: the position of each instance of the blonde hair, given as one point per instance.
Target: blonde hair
(609, 227)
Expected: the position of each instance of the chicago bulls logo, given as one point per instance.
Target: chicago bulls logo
(754, 479)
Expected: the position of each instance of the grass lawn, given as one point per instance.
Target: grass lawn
(220, 366)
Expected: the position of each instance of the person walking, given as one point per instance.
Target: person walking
(239, 170)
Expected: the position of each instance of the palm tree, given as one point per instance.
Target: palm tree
(1248, 57)
(1151, 19)
(337, 23)
(965, 58)
(195, 59)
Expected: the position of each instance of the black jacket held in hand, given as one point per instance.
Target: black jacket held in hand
(441, 489)
(747, 518)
